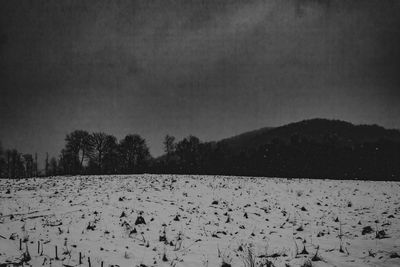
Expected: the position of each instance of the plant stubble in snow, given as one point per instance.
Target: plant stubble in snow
(167, 220)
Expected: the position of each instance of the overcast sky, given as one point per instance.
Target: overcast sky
(208, 68)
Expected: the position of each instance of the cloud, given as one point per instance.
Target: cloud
(188, 64)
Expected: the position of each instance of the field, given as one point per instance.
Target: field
(164, 220)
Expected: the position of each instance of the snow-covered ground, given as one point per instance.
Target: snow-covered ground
(198, 221)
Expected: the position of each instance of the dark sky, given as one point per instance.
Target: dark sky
(209, 68)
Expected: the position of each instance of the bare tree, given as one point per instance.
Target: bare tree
(188, 151)
(35, 166)
(2, 162)
(28, 160)
(15, 164)
(169, 144)
(102, 145)
(78, 147)
(46, 165)
(134, 154)
(8, 152)
(53, 167)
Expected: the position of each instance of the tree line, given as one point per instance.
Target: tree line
(298, 157)
(101, 153)
(83, 153)
(14, 164)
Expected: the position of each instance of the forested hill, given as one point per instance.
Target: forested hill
(317, 130)
(316, 148)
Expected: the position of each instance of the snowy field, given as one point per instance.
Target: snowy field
(164, 220)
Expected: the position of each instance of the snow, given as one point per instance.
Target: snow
(206, 220)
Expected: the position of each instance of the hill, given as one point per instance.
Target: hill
(317, 130)
(316, 148)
